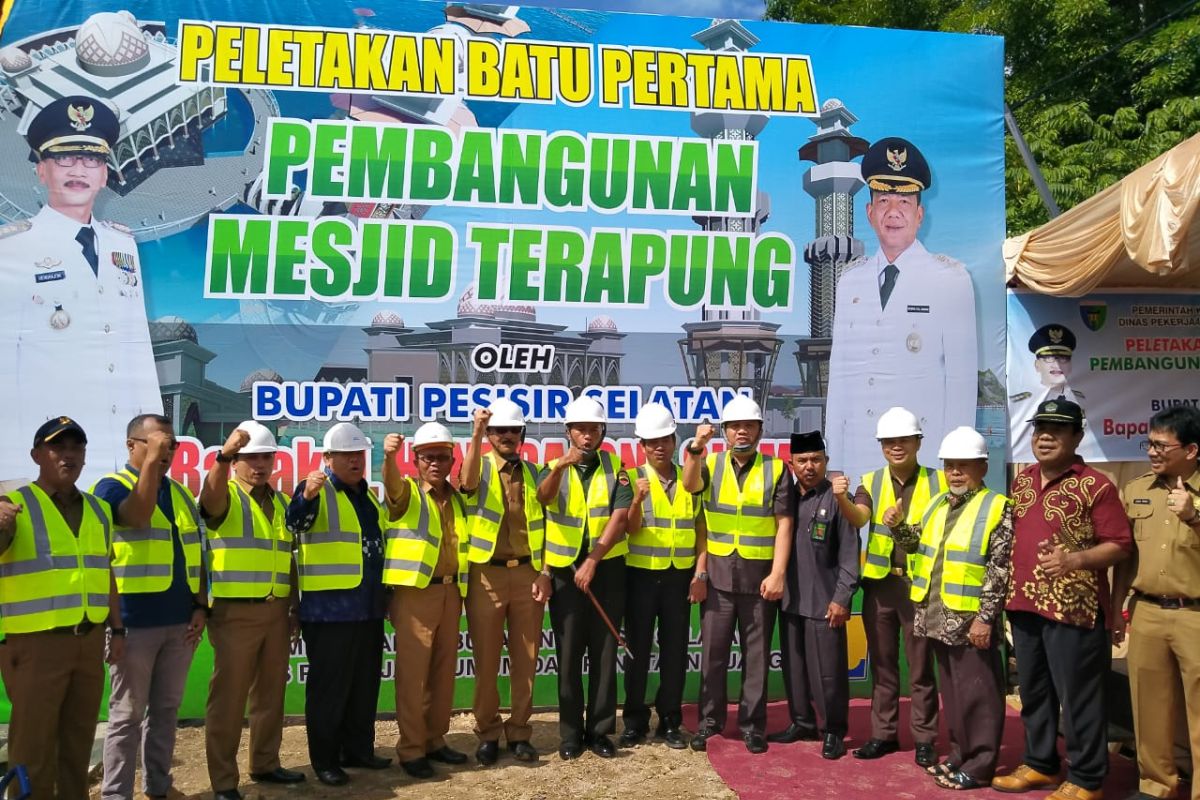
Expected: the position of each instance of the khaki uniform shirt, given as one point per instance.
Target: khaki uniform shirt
(512, 541)
(1167, 551)
(447, 562)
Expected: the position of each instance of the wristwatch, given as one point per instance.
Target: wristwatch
(117, 631)
(546, 573)
(701, 576)
(696, 451)
(224, 459)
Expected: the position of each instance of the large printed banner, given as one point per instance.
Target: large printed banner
(396, 213)
(1121, 356)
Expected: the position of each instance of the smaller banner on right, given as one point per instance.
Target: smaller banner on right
(1121, 356)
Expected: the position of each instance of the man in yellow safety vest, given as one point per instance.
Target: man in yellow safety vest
(748, 507)
(506, 548)
(251, 576)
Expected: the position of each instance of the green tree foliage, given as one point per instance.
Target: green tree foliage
(1099, 87)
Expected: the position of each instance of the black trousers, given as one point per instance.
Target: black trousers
(1063, 664)
(815, 672)
(656, 596)
(580, 635)
(754, 619)
(341, 693)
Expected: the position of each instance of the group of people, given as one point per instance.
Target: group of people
(754, 538)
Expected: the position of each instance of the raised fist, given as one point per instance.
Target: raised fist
(315, 480)
(704, 434)
(234, 444)
(841, 484)
(641, 489)
(571, 457)
(482, 417)
(391, 445)
(158, 445)
(8, 513)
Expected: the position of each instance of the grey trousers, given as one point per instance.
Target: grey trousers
(754, 619)
(143, 707)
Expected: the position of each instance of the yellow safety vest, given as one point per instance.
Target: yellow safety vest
(248, 554)
(571, 510)
(49, 577)
(964, 552)
(413, 542)
(330, 553)
(144, 558)
(488, 511)
(742, 519)
(930, 482)
(667, 537)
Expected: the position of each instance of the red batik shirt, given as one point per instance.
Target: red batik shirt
(1079, 509)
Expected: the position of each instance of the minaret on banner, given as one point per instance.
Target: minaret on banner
(731, 347)
(832, 181)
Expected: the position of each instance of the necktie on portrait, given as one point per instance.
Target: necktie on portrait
(889, 283)
(87, 242)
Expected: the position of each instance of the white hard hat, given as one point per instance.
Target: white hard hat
(963, 443)
(653, 421)
(897, 422)
(345, 438)
(261, 438)
(432, 433)
(584, 409)
(505, 414)
(741, 408)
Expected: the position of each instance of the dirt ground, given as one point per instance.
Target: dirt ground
(652, 770)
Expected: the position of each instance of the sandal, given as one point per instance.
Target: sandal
(958, 780)
(944, 768)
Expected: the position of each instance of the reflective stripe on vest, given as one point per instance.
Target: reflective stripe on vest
(49, 577)
(413, 543)
(330, 553)
(570, 511)
(741, 519)
(883, 496)
(487, 513)
(667, 537)
(250, 556)
(144, 558)
(964, 551)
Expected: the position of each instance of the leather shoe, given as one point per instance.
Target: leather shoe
(795, 732)
(834, 747)
(570, 750)
(488, 753)
(418, 768)
(674, 738)
(926, 755)
(228, 794)
(334, 776)
(447, 755)
(1022, 779)
(603, 747)
(278, 775)
(877, 748)
(755, 743)
(523, 751)
(1071, 791)
(370, 762)
(631, 737)
(700, 740)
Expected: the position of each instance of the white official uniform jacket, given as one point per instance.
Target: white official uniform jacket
(81, 342)
(919, 353)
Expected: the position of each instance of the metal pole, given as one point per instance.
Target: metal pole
(1030, 164)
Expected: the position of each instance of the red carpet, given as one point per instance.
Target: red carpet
(798, 771)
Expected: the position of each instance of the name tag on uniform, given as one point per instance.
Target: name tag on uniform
(57, 275)
(1141, 501)
(918, 309)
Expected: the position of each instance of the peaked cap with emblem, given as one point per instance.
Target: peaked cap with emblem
(1052, 340)
(76, 125)
(1059, 410)
(895, 165)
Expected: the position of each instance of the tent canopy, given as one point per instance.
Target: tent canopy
(1141, 232)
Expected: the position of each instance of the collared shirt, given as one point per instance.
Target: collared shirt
(735, 574)
(903, 491)
(1077, 510)
(621, 497)
(173, 605)
(825, 561)
(933, 619)
(369, 599)
(1167, 551)
(512, 541)
(447, 561)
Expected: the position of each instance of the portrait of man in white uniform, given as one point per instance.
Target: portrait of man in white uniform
(74, 296)
(904, 322)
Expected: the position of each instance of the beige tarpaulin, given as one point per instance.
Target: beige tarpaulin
(1142, 232)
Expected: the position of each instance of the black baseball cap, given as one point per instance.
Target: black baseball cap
(54, 428)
